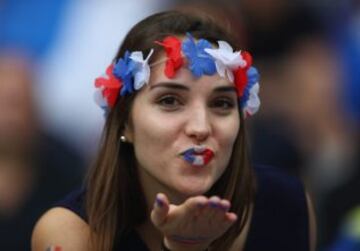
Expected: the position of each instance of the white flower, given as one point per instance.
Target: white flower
(142, 74)
(99, 98)
(253, 103)
(226, 60)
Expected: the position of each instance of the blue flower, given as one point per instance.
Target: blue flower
(252, 78)
(252, 75)
(124, 69)
(200, 62)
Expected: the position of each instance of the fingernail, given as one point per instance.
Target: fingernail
(225, 208)
(213, 204)
(159, 202)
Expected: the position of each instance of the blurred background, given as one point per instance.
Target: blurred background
(308, 54)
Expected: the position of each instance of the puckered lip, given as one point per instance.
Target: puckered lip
(198, 155)
(196, 150)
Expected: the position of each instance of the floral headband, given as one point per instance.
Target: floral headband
(132, 72)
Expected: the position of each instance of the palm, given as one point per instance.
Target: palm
(198, 221)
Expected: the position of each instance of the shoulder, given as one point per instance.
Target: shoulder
(60, 227)
(282, 215)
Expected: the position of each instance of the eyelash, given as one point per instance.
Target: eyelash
(222, 104)
(162, 101)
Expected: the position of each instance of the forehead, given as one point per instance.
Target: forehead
(183, 75)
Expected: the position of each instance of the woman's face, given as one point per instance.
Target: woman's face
(172, 117)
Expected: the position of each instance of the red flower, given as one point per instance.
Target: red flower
(172, 46)
(240, 79)
(111, 86)
(248, 59)
(240, 74)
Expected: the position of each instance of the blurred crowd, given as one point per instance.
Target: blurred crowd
(308, 54)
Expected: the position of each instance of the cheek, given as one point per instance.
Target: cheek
(228, 130)
(152, 134)
(227, 134)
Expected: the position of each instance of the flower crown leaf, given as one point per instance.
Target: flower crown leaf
(124, 69)
(200, 62)
(175, 61)
(142, 68)
(226, 60)
(108, 86)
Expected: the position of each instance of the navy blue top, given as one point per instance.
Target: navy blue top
(279, 221)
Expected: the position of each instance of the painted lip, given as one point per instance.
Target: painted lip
(198, 155)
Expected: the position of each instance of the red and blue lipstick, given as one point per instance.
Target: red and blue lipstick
(198, 155)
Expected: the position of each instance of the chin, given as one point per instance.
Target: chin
(189, 190)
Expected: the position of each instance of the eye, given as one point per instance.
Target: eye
(223, 103)
(169, 102)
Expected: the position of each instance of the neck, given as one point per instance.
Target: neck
(150, 235)
(147, 231)
(152, 187)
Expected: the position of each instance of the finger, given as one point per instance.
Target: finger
(215, 210)
(225, 205)
(227, 220)
(214, 201)
(208, 212)
(231, 217)
(160, 209)
(195, 205)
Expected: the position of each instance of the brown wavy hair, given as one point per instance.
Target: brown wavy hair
(115, 202)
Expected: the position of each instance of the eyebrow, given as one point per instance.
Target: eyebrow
(170, 85)
(225, 89)
(177, 86)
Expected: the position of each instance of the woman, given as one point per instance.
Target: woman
(173, 172)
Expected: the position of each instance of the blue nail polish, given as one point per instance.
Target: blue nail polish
(225, 208)
(213, 204)
(159, 202)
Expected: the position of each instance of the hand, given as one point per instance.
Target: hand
(194, 224)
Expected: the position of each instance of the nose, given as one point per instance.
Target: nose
(198, 126)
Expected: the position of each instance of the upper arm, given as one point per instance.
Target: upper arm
(312, 223)
(60, 227)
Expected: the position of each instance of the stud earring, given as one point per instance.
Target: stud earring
(123, 138)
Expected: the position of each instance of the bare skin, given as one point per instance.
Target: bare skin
(194, 224)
